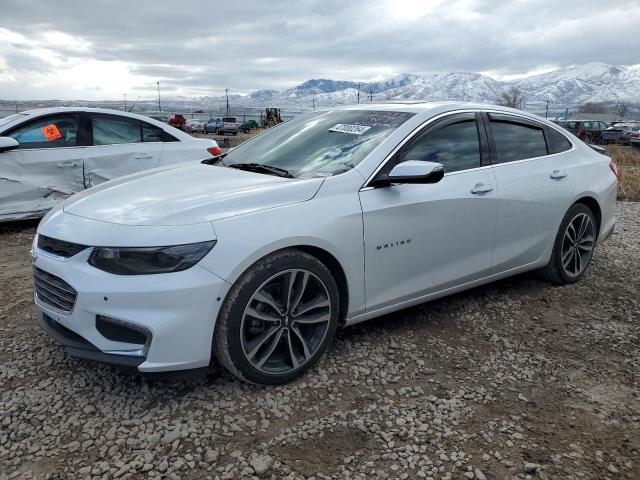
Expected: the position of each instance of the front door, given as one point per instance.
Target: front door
(421, 239)
(44, 169)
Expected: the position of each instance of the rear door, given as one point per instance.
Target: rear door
(421, 239)
(45, 168)
(535, 186)
(120, 145)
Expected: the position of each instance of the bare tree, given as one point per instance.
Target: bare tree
(621, 109)
(513, 97)
(592, 107)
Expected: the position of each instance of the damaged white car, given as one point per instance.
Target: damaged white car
(48, 154)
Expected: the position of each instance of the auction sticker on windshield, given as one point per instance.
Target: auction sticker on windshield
(352, 129)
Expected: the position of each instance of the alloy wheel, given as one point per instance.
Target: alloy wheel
(577, 244)
(285, 321)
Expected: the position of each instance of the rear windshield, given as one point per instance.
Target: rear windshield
(319, 143)
(229, 120)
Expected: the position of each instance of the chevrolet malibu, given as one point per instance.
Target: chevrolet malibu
(256, 257)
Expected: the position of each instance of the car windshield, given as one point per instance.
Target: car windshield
(319, 143)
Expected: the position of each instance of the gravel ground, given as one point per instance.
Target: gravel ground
(514, 380)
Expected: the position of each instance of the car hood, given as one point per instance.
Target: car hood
(187, 194)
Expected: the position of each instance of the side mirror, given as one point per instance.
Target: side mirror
(412, 171)
(8, 143)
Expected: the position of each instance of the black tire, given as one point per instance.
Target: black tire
(555, 271)
(229, 334)
(235, 133)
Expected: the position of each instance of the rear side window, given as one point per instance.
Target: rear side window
(50, 132)
(229, 120)
(557, 142)
(456, 146)
(151, 133)
(517, 141)
(111, 130)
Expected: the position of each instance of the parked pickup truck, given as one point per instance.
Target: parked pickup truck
(178, 121)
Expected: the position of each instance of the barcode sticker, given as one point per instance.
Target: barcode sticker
(351, 129)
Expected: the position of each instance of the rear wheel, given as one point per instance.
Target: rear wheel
(573, 247)
(277, 319)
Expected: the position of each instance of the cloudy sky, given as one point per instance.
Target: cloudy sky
(101, 49)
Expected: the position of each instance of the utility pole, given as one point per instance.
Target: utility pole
(226, 92)
(371, 95)
(159, 109)
(124, 95)
(359, 91)
(313, 100)
(546, 111)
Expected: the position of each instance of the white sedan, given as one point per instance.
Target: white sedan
(48, 154)
(194, 125)
(321, 222)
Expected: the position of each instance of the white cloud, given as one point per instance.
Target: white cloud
(103, 48)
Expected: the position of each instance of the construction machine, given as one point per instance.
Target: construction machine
(271, 117)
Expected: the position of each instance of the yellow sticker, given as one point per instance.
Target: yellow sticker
(51, 132)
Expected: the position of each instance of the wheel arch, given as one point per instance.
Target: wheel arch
(337, 271)
(593, 205)
(322, 254)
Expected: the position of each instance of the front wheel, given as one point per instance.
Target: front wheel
(573, 247)
(278, 318)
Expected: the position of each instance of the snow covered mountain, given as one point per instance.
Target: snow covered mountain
(567, 86)
(591, 82)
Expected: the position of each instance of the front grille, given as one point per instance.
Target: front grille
(53, 291)
(59, 247)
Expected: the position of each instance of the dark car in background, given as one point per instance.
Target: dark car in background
(620, 133)
(589, 131)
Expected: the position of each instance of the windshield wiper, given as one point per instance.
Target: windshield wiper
(215, 160)
(262, 168)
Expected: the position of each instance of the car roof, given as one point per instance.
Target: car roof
(50, 110)
(428, 109)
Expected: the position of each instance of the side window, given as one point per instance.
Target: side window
(111, 130)
(456, 146)
(151, 133)
(49, 132)
(556, 142)
(517, 141)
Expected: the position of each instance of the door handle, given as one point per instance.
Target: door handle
(68, 165)
(557, 174)
(481, 188)
(141, 156)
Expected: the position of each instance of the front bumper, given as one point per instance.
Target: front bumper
(177, 312)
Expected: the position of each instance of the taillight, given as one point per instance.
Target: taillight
(614, 169)
(215, 151)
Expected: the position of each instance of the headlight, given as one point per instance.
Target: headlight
(149, 260)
